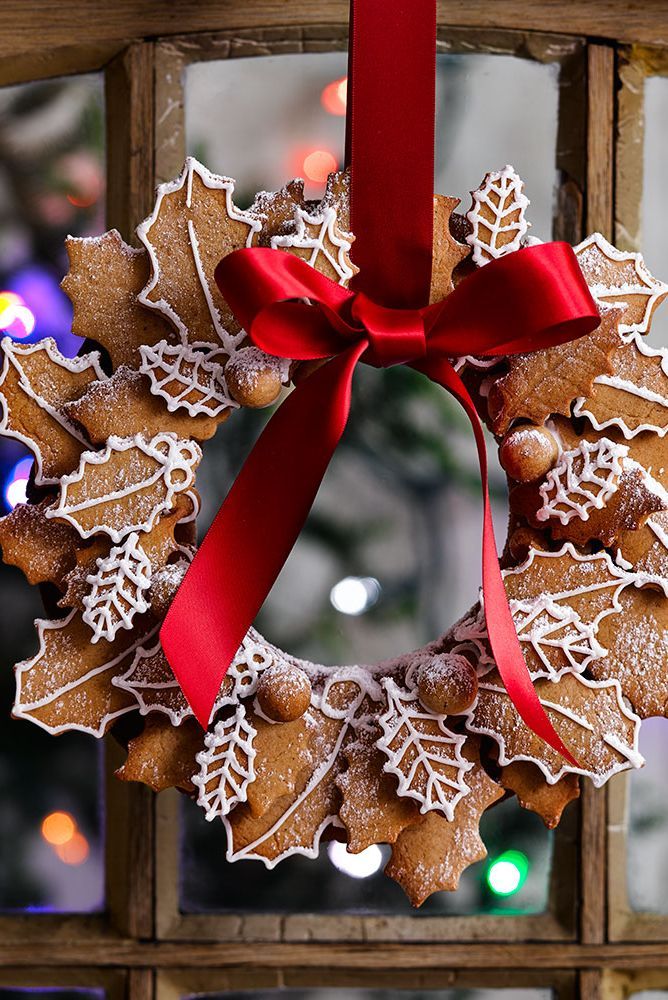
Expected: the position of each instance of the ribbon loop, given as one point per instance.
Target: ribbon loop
(396, 336)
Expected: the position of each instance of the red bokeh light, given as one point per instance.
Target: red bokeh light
(334, 96)
(318, 164)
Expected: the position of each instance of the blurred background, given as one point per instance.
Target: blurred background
(390, 555)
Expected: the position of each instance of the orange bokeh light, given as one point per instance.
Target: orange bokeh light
(318, 164)
(58, 828)
(334, 96)
(75, 851)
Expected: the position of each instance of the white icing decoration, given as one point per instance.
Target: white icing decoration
(176, 460)
(422, 753)
(501, 193)
(118, 589)
(164, 366)
(544, 624)
(215, 182)
(632, 756)
(646, 284)
(13, 352)
(584, 479)
(23, 711)
(325, 221)
(252, 658)
(311, 851)
(580, 410)
(228, 760)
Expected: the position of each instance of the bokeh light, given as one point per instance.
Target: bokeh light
(318, 164)
(75, 851)
(58, 828)
(16, 319)
(334, 96)
(507, 874)
(355, 594)
(16, 483)
(361, 865)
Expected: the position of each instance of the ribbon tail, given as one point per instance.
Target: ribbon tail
(500, 625)
(254, 531)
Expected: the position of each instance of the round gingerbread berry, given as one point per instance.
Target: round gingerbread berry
(253, 379)
(528, 452)
(447, 683)
(283, 692)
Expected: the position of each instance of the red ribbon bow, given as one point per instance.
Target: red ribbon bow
(527, 301)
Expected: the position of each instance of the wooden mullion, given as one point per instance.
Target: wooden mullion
(599, 212)
(130, 820)
(600, 139)
(141, 984)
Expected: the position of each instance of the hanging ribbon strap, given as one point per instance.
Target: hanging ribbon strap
(529, 300)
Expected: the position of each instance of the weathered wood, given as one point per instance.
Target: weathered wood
(129, 91)
(114, 952)
(44, 24)
(593, 855)
(129, 853)
(590, 985)
(140, 984)
(600, 138)
(629, 150)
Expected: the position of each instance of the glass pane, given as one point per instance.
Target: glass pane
(51, 184)
(649, 995)
(400, 504)
(654, 239)
(647, 847)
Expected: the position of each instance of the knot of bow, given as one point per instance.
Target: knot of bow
(533, 299)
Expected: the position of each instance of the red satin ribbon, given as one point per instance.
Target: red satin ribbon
(530, 300)
(527, 301)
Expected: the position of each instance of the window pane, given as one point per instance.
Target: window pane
(400, 503)
(647, 850)
(654, 239)
(51, 184)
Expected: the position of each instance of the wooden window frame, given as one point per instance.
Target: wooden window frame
(142, 946)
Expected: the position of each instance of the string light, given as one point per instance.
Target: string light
(361, 865)
(507, 874)
(334, 96)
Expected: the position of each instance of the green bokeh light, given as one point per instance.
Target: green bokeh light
(507, 874)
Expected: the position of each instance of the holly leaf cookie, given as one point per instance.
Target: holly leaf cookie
(432, 855)
(421, 752)
(194, 224)
(632, 394)
(497, 216)
(621, 278)
(45, 550)
(36, 381)
(536, 794)
(372, 811)
(67, 685)
(125, 405)
(162, 755)
(127, 486)
(295, 822)
(546, 382)
(589, 716)
(103, 282)
(447, 252)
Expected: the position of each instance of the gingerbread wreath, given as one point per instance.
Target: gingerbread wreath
(409, 752)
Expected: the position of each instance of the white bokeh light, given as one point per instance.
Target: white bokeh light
(361, 865)
(504, 877)
(17, 483)
(355, 594)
